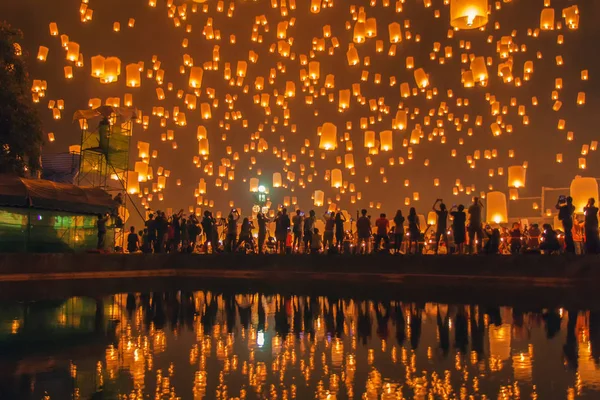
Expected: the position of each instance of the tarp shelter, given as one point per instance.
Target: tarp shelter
(43, 216)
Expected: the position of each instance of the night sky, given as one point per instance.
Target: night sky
(155, 33)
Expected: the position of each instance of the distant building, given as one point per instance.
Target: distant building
(41, 216)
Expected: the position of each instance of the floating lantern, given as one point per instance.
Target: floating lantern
(328, 137)
(468, 14)
(516, 176)
(581, 190)
(496, 208)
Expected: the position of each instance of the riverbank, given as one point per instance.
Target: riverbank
(530, 279)
(536, 270)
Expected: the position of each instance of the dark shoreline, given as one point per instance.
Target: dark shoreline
(528, 280)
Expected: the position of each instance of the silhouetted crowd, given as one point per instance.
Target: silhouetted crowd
(458, 230)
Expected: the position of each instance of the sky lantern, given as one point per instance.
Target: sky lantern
(468, 14)
(254, 185)
(112, 69)
(336, 178)
(421, 78)
(203, 148)
(395, 32)
(42, 53)
(98, 66)
(547, 19)
(516, 176)
(72, 51)
(277, 181)
(133, 75)
(133, 185)
(349, 160)
(479, 69)
(314, 70)
(328, 139)
(386, 140)
(496, 208)
(581, 190)
(318, 198)
(195, 79)
(53, 29)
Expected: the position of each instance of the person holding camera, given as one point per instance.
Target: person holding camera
(566, 209)
(231, 238)
(592, 242)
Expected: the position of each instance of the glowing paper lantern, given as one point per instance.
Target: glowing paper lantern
(336, 178)
(496, 209)
(254, 185)
(72, 51)
(42, 53)
(468, 14)
(421, 78)
(203, 149)
(328, 137)
(479, 69)
(195, 79)
(581, 190)
(319, 198)
(277, 182)
(133, 75)
(516, 176)
(133, 185)
(547, 19)
(395, 32)
(386, 140)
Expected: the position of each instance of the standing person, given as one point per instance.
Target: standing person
(383, 226)
(146, 245)
(565, 215)
(176, 222)
(297, 230)
(133, 241)
(208, 226)
(363, 230)
(185, 236)
(231, 238)
(398, 231)
(162, 228)
(442, 225)
(414, 230)
(592, 241)
(309, 226)
(246, 234)
(329, 218)
(282, 227)
(459, 220)
(262, 221)
(151, 228)
(102, 220)
(339, 230)
(475, 225)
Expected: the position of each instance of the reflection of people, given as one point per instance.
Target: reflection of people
(102, 219)
(570, 349)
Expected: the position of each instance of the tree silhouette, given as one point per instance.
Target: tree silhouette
(21, 136)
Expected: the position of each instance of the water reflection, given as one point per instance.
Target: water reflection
(205, 345)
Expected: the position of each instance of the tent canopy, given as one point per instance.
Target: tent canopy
(47, 195)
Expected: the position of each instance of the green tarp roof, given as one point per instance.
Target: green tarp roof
(47, 195)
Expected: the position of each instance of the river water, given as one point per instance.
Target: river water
(213, 345)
